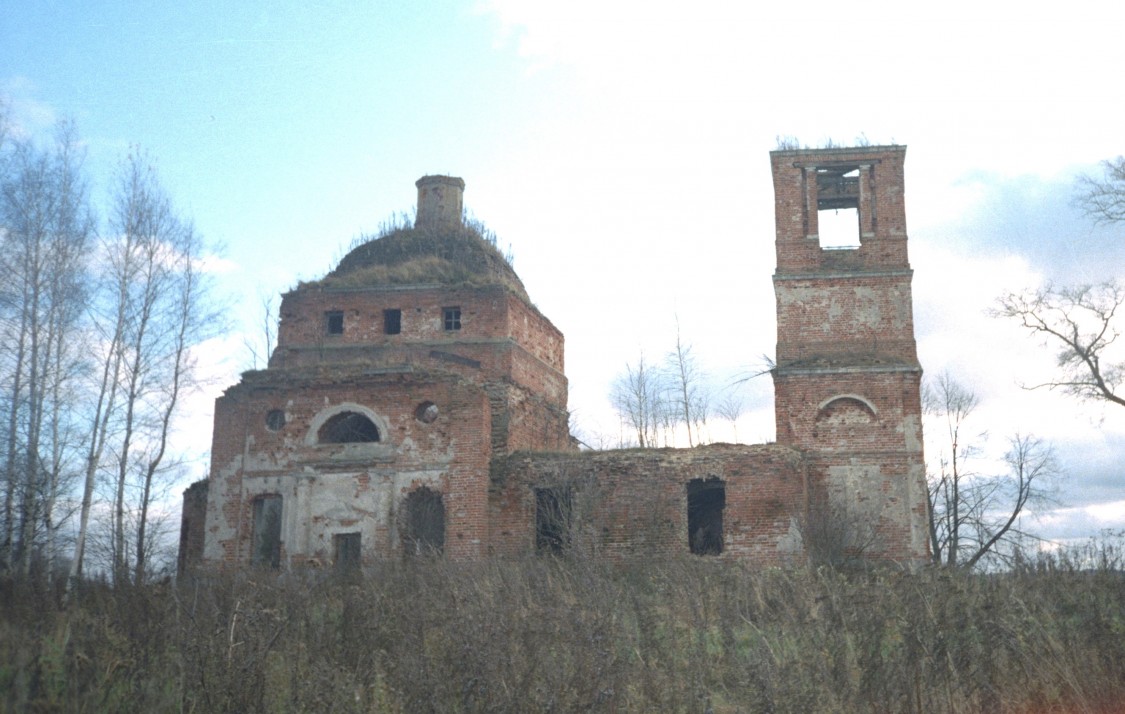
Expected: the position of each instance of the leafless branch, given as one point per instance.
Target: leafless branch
(1080, 323)
(1103, 198)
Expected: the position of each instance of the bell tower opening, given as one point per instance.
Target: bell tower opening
(837, 206)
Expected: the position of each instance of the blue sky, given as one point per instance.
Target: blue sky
(621, 148)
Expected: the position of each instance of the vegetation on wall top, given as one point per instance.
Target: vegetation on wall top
(408, 255)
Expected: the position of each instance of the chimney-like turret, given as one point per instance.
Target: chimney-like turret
(439, 201)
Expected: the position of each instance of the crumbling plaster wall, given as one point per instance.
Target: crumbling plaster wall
(337, 488)
(883, 496)
(874, 311)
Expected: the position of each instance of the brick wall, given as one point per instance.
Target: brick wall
(633, 503)
(192, 522)
(861, 315)
(487, 313)
(881, 207)
(891, 423)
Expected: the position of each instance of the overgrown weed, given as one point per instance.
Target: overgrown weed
(561, 635)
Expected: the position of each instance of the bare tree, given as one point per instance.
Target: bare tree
(1103, 198)
(731, 407)
(1031, 469)
(46, 226)
(88, 369)
(952, 403)
(686, 384)
(156, 255)
(1079, 322)
(973, 515)
(68, 289)
(261, 345)
(183, 325)
(108, 334)
(655, 401)
(145, 322)
(638, 398)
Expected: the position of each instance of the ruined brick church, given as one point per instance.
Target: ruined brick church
(416, 403)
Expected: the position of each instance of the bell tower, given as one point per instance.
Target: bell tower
(847, 377)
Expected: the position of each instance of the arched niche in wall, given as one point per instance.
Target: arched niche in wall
(348, 428)
(845, 409)
(346, 423)
(349, 431)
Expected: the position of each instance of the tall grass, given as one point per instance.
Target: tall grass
(557, 635)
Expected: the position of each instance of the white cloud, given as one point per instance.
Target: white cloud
(29, 116)
(217, 265)
(1108, 515)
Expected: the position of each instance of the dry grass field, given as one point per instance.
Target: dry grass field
(560, 635)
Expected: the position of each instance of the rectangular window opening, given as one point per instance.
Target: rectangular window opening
(265, 536)
(705, 503)
(451, 318)
(347, 546)
(552, 519)
(392, 322)
(334, 322)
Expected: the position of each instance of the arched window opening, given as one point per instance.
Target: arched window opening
(348, 428)
(424, 523)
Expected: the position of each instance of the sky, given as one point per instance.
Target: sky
(621, 150)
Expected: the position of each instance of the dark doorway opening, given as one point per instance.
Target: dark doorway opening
(424, 532)
(348, 552)
(705, 503)
(265, 536)
(552, 519)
